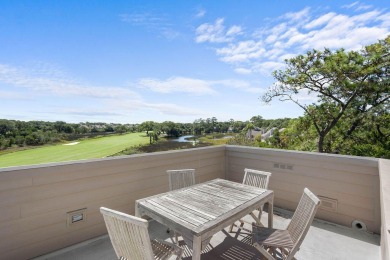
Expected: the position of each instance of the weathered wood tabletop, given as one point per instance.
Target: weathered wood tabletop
(200, 211)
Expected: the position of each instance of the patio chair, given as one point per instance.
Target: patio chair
(259, 179)
(130, 238)
(180, 179)
(267, 240)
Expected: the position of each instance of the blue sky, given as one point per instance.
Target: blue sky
(134, 61)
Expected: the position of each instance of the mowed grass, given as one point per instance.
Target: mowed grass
(85, 149)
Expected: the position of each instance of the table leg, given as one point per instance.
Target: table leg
(196, 248)
(137, 213)
(270, 213)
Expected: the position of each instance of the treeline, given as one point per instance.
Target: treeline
(370, 138)
(209, 125)
(14, 133)
(32, 133)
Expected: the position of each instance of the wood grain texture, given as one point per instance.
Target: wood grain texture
(199, 211)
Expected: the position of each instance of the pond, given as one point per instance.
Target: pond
(181, 139)
(184, 139)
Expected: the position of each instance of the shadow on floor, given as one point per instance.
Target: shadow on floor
(228, 249)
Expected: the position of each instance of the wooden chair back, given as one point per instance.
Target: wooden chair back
(181, 178)
(255, 178)
(128, 234)
(302, 218)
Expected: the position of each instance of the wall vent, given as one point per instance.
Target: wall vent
(328, 204)
(283, 166)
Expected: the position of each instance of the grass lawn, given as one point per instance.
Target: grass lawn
(215, 139)
(85, 149)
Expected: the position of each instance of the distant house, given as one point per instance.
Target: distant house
(262, 131)
(251, 134)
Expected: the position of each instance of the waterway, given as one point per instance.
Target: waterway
(181, 139)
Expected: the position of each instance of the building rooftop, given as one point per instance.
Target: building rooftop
(324, 240)
(37, 202)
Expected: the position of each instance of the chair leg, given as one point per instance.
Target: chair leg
(177, 238)
(179, 255)
(259, 215)
(231, 228)
(264, 252)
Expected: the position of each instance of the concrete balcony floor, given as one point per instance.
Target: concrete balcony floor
(324, 240)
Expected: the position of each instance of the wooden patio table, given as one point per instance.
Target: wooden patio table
(199, 211)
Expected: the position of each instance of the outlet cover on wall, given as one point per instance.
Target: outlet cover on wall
(76, 216)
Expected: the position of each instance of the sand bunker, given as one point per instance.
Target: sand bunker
(72, 143)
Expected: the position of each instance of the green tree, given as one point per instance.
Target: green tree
(170, 128)
(354, 83)
(121, 129)
(257, 121)
(147, 126)
(198, 126)
(300, 134)
(238, 126)
(7, 127)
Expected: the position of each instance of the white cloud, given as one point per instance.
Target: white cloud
(320, 20)
(14, 95)
(241, 52)
(200, 13)
(243, 71)
(177, 84)
(216, 33)
(163, 108)
(194, 86)
(173, 109)
(351, 5)
(287, 56)
(357, 6)
(234, 30)
(363, 18)
(306, 97)
(109, 103)
(238, 84)
(103, 101)
(385, 19)
(275, 52)
(86, 112)
(50, 82)
(268, 66)
(297, 17)
(154, 22)
(295, 33)
(169, 33)
(144, 19)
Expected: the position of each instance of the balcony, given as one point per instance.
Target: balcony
(35, 200)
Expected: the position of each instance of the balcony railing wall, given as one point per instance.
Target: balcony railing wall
(350, 182)
(34, 200)
(384, 173)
